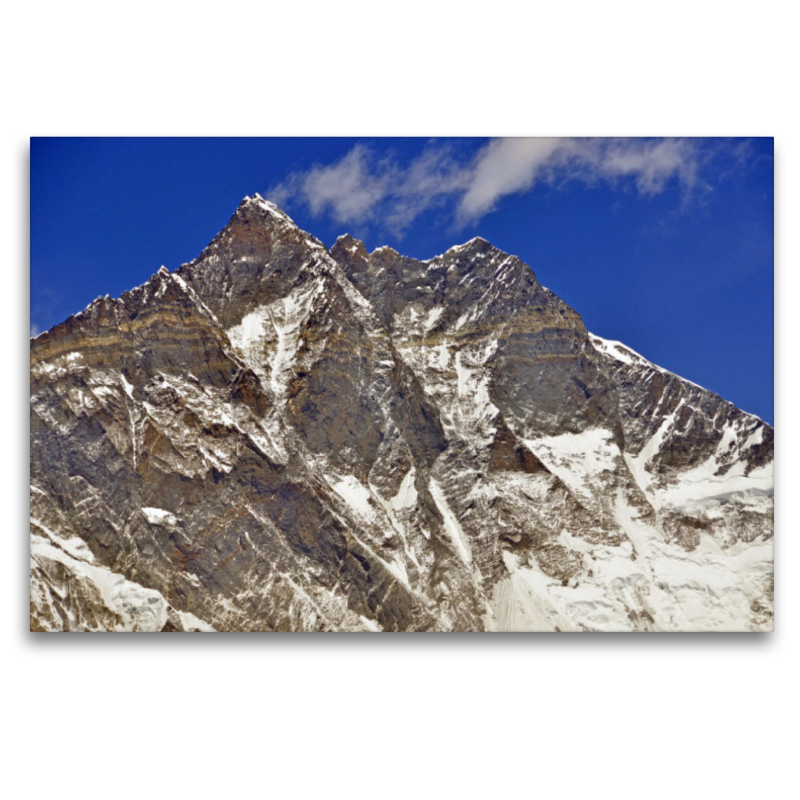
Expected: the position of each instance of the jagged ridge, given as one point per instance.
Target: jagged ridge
(282, 437)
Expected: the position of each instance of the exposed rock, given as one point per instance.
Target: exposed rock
(281, 437)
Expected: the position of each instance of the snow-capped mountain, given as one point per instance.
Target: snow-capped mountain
(278, 436)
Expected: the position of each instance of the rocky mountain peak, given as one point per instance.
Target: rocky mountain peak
(260, 255)
(476, 244)
(350, 244)
(350, 253)
(279, 437)
(257, 205)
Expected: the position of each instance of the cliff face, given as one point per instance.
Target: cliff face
(282, 437)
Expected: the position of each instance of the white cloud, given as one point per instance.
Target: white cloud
(361, 188)
(509, 166)
(349, 189)
(505, 166)
(35, 330)
(652, 164)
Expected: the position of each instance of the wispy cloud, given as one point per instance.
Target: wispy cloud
(363, 187)
(35, 330)
(348, 190)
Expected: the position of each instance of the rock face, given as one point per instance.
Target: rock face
(282, 437)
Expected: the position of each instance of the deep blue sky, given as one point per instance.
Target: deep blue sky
(681, 271)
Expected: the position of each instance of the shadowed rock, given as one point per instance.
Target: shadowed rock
(281, 437)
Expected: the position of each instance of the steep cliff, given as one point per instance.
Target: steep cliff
(281, 437)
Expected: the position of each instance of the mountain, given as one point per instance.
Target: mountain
(282, 437)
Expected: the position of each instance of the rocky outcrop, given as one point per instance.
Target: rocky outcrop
(281, 437)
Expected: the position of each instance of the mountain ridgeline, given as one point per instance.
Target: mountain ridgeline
(282, 437)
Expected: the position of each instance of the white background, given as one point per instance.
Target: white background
(403, 716)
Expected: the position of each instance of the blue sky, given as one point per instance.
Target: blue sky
(664, 244)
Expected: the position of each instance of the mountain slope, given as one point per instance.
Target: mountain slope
(281, 437)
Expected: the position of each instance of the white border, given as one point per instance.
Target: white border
(484, 716)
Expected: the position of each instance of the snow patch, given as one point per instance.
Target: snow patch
(138, 608)
(159, 516)
(354, 493)
(755, 438)
(699, 489)
(433, 317)
(406, 496)
(707, 589)
(578, 459)
(451, 523)
(192, 623)
(266, 339)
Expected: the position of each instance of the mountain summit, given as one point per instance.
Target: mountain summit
(278, 436)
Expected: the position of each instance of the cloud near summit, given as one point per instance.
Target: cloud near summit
(366, 187)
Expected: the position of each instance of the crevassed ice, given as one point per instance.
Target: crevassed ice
(706, 589)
